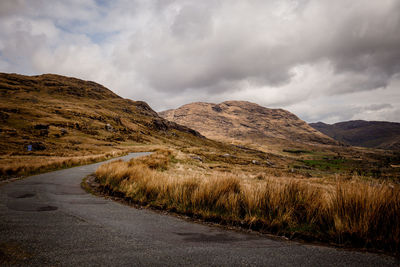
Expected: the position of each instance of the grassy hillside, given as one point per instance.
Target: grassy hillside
(55, 113)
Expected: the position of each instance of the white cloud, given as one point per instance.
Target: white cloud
(324, 60)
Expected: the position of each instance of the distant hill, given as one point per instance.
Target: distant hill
(245, 121)
(374, 134)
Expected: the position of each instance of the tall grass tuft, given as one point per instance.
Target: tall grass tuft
(366, 213)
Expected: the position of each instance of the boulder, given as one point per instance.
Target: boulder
(108, 127)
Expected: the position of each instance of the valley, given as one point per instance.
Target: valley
(234, 163)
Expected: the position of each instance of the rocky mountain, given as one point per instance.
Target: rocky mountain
(374, 134)
(58, 114)
(245, 121)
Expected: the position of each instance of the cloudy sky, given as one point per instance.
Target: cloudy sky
(323, 60)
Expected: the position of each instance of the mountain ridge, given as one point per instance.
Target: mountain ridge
(372, 134)
(245, 121)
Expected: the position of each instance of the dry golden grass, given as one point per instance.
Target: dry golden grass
(351, 212)
(22, 166)
(367, 213)
(156, 161)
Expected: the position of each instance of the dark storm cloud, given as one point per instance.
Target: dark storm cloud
(369, 44)
(377, 107)
(203, 45)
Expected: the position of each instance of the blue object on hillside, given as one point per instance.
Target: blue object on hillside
(29, 147)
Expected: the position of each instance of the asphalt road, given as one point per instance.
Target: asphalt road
(49, 220)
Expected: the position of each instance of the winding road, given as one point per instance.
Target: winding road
(48, 219)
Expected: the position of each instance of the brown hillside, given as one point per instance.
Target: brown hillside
(56, 114)
(245, 121)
